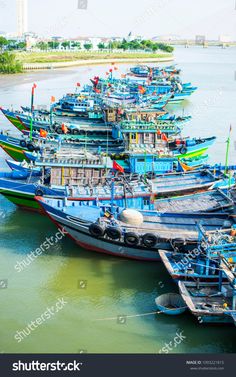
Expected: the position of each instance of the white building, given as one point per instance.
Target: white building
(22, 17)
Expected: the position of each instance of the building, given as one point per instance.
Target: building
(22, 17)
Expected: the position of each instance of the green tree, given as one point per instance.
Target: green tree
(134, 45)
(154, 47)
(124, 45)
(88, 46)
(53, 45)
(9, 64)
(42, 46)
(21, 46)
(65, 44)
(101, 46)
(3, 42)
(76, 45)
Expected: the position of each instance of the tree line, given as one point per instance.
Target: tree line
(143, 45)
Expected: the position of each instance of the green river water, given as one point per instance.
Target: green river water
(108, 301)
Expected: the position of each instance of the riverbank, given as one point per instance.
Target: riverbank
(55, 60)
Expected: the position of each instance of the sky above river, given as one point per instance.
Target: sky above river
(148, 18)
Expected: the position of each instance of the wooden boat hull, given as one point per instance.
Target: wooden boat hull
(204, 316)
(76, 221)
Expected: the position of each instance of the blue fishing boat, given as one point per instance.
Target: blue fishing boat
(203, 264)
(24, 167)
(212, 302)
(83, 179)
(127, 232)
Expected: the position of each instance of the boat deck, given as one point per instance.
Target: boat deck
(163, 226)
(182, 182)
(206, 299)
(203, 202)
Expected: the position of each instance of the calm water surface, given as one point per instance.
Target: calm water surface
(105, 297)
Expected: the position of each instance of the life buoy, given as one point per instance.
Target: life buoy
(149, 240)
(23, 143)
(183, 150)
(97, 230)
(131, 239)
(31, 147)
(113, 232)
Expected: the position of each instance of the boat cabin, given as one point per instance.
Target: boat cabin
(144, 163)
(80, 170)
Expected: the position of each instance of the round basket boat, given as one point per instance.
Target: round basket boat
(171, 304)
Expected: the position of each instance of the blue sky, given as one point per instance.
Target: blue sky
(143, 17)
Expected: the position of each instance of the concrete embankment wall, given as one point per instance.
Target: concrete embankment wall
(56, 65)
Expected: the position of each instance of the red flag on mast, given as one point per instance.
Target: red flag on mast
(116, 166)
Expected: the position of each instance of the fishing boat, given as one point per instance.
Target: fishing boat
(24, 122)
(212, 302)
(127, 232)
(20, 188)
(15, 147)
(83, 176)
(24, 167)
(202, 264)
(84, 179)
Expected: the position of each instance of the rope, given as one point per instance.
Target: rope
(138, 315)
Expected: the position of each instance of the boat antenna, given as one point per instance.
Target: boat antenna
(227, 150)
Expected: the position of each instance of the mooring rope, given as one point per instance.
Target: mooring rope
(139, 315)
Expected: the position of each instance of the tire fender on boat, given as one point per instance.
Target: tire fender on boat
(149, 240)
(113, 232)
(31, 147)
(97, 230)
(131, 239)
(23, 143)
